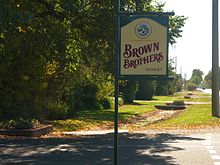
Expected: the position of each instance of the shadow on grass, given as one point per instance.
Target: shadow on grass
(104, 115)
(93, 150)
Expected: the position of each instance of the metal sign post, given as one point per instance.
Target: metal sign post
(215, 60)
(117, 42)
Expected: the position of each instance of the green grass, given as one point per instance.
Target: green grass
(135, 109)
(205, 99)
(194, 116)
(167, 98)
(97, 119)
(197, 97)
(85, 120)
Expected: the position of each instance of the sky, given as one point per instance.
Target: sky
(194, 49)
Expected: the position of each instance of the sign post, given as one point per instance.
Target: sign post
(117, 42)
(215, 61)
(141, 51)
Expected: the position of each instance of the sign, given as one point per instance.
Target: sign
(143, 46)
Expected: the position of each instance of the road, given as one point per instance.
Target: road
(134, 148)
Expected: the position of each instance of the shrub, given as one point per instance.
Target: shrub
(178, 102)
(107, 103)
(55, 110)
(191, 86)
(20, 123)
(145, 90)
(92, 92)
(128, 90)
(161, 88)
(120, 101)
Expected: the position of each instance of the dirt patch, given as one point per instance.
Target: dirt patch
(150, 118)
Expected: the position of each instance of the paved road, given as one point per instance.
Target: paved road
(135, 149)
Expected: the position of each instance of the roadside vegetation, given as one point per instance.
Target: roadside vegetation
(196, 115)
(57, 66)
(57, 59)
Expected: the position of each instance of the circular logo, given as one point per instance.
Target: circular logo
(143, 30)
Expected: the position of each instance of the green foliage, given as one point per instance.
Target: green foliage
(191, 86)
(107, 103)
(128, 90)
(90, 91)
(176, 83)
(145, 90)
(208, 80)
(54, 110)
(161, 88)
(57, 57)
(176, 23)
(20, 123)
(195, 116)
(178, 102)
(196, 77)
(169, 87)
(179, 82)
(120, 101)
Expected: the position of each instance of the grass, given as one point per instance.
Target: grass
(197, 97)
(127, 111)
(101, 119)
(194, 116)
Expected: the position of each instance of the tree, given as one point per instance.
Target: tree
(179, 82)
(169, 87)
(53, 52)
(34, 59)
(128, 90)
(190, 86)
(208, 79)
(196, 77)
(146, 90)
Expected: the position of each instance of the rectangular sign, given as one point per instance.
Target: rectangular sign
(143, 46)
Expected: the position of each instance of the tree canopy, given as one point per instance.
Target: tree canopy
(196, 77)
(208, 79)
(58, 56)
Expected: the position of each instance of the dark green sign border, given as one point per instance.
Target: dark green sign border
(159, 18)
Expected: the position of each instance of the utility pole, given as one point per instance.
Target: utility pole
(215, 60)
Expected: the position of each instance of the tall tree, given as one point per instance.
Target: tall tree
(196, 77)
(53, 52)
(208, 79)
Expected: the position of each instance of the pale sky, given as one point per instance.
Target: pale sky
(194, 49)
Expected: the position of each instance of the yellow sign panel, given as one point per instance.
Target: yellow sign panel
(144, 48)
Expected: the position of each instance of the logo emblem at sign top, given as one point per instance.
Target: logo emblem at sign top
(143, 30)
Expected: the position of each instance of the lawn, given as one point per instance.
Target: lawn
(194, 116)
(101, 119)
